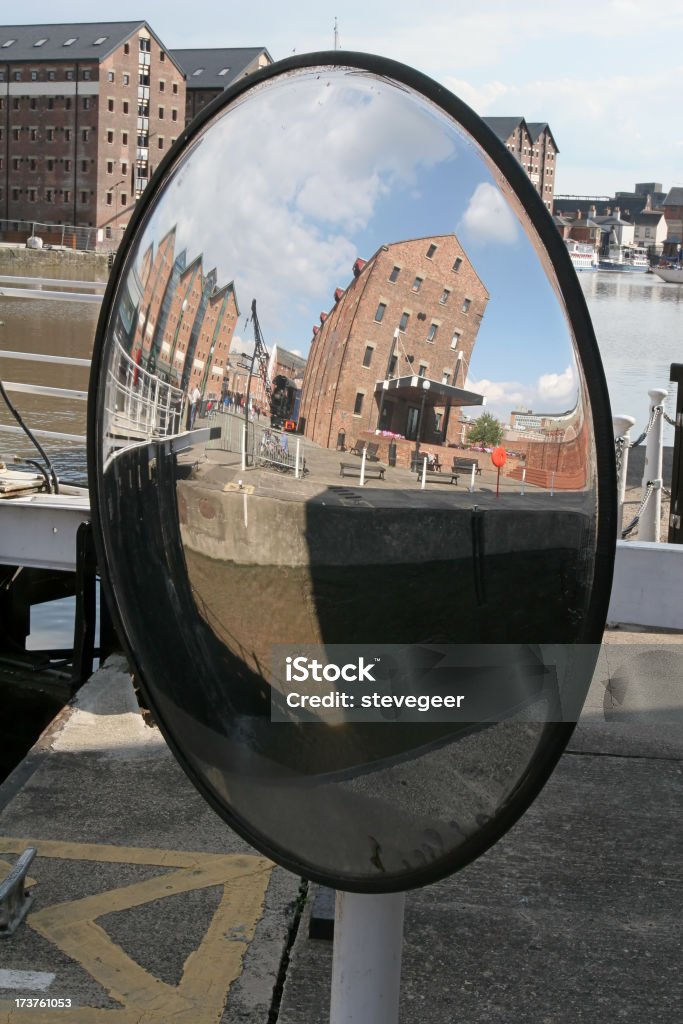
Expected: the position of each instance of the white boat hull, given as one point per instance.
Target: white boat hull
(674, 275)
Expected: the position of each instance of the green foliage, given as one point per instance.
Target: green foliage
(486, 430)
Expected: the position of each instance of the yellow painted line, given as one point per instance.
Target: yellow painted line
(208, 972)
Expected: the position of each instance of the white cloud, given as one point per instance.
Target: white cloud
(488, 218)
(273, 192)
(553, 387)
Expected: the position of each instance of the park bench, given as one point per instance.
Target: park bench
(465, 465)
(375, 469)
(438, 477)
(371, 449)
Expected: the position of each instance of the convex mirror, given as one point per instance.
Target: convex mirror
(365, 642)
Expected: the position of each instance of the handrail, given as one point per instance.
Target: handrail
(40, 357)
(44, 389)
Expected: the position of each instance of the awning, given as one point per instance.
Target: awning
(433, 392)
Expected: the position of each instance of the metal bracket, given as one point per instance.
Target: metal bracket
(14, 900)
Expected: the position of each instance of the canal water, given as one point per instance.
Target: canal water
(638, 320)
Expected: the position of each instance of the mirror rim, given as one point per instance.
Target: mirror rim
(554, 736)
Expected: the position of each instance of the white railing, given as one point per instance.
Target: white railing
(41, 389)
(140, 405)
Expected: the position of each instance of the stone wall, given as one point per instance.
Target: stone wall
(44, 262)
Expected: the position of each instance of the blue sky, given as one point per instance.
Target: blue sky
(606, 75)
(290, 186)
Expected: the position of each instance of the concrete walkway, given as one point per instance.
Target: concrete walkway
(149, 909)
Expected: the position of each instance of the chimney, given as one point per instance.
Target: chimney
(617, 212)
(591, 212)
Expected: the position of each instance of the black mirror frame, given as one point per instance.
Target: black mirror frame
(555, 735)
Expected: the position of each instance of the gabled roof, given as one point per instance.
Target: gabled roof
(18, 42)
(216, 69)
(504, 126)
(648, 217)
(537, 128)
(674, 197)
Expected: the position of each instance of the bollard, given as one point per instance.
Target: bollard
(366, 958)
(523, 479)
(649, 527)
(472, 476)
(621, 426)
(362, 467)
(296, 457)
(424, 473)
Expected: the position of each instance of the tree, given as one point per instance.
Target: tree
(486, 431)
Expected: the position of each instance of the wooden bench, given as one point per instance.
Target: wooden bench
(375, 469)
(439, 478)
(465, 465)
(370, 447)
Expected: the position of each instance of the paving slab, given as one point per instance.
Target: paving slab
(147, 906)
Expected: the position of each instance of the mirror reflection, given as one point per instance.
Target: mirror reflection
(341, 403)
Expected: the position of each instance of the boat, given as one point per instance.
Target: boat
(582, 255)
(674, 275)
(625, 258)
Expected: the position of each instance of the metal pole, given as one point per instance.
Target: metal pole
(649, 526)
(424, 473)
(296, 465)
(523, 479)
(366, 958)
(474, 470)
(362, 466)
(622, 429)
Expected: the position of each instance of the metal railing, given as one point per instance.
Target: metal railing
(66, 236)
(50, 392)
(139, 405)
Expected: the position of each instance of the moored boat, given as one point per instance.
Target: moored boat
(625, 258)
(674, 275)
(582, 255)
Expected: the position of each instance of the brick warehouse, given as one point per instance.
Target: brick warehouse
(392, 353)
(87, 111)
(182, 320)
(534, 146)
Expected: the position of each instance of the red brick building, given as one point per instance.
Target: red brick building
(86, 113)
(533, 145)
(392, 353)
(185, 321)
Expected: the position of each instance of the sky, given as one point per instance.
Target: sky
(281, 193)
(607, 75)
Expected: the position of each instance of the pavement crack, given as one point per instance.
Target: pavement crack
(293, 931)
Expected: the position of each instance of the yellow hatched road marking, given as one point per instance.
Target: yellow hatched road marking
(208, 972)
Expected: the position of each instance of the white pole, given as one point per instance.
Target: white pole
(552, 484)
(649, 526)
(424, 473)
(523, 479)
(362, 468)
(296, 466)
(244, 446)
(366, 958)
(622, 428)
(472, 476)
